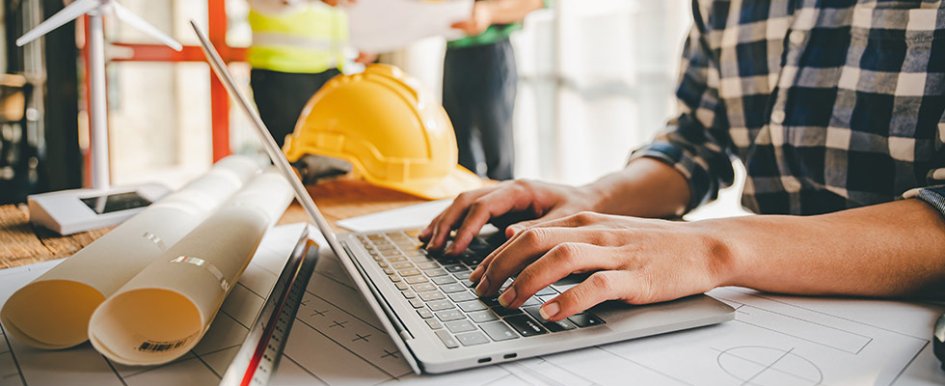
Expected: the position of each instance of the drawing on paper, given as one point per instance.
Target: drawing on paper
(751, 365)
(337, 340)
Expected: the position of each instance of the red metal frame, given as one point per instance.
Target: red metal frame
(219, 101)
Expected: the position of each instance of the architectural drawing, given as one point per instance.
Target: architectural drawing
(336, 340)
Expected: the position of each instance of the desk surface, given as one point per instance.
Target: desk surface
(773, 339)
(21, 243)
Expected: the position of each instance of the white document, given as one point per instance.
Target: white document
(385, 25)
(336, 340)
(413, 216)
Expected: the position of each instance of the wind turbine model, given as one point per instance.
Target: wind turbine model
(73, 211)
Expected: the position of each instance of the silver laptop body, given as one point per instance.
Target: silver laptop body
(426, 306)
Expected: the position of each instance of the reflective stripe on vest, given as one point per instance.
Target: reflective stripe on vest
(309, 40)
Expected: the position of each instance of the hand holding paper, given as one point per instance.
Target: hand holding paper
(477, 22)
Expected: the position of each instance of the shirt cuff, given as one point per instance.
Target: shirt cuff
(701, 189)
(932, 195)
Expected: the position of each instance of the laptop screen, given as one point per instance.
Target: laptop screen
(275, 153)
(301, 194)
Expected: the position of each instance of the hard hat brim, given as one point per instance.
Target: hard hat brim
(457, 181)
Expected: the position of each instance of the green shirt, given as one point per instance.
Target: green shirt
(491, 35)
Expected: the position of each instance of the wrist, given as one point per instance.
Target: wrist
(645, 188)
(727, 252)
(485, 10)
(597, 194)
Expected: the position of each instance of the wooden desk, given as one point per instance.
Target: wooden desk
(21, 243)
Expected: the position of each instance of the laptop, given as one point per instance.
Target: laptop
(427, 306)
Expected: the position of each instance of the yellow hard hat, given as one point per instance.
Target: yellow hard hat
(390, 132)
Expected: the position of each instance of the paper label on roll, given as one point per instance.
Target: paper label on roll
(150, 346)
(224, 284)
(155, 239)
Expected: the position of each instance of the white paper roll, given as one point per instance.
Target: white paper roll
(162, 312)
(53, 311)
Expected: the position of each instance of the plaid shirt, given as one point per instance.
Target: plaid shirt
(829, 104)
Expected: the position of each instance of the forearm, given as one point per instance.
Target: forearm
(645, 188)
(895, 249)
(510, 11)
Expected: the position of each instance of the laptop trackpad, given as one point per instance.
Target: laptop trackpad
(686, 312)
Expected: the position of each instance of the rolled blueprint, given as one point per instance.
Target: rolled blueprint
(162, 312)
(53, 311)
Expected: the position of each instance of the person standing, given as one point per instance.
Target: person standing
(298, 45)
(479, 85)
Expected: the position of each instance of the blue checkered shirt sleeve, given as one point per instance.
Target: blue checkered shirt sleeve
(828, 105)
(934, 196)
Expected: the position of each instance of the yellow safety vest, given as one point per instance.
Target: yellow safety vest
(310, 39)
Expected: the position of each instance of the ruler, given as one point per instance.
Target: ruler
(258, 357)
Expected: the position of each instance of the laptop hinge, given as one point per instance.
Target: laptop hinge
(385, 305)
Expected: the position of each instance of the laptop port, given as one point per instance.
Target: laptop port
(509, 356)
(485, 360)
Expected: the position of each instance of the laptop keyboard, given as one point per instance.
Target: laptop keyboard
(436, 286)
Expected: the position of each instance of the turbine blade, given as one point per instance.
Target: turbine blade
(125, 15)
(64, 16)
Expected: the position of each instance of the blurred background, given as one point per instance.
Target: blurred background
(596, 81)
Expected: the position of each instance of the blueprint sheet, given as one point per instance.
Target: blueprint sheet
(774, 340)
